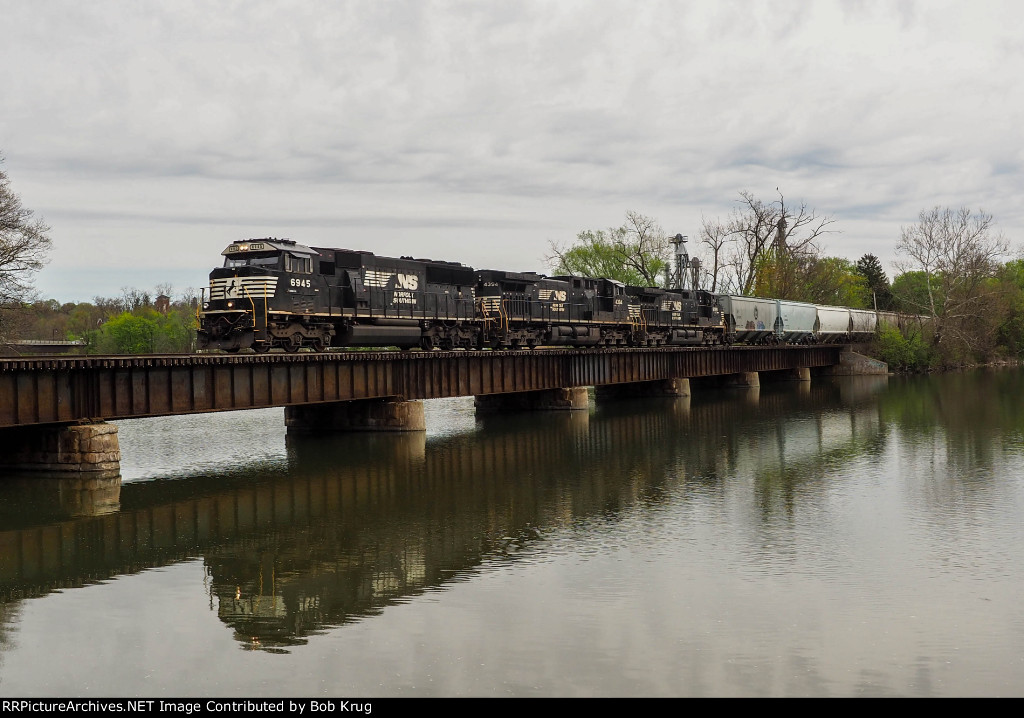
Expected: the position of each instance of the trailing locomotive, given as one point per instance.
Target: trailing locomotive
(275, 293)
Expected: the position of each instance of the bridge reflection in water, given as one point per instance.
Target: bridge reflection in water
(355, 523)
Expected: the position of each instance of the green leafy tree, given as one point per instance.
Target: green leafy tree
(916, 292)
(1011, 329)
(835, 281)
(808, 278)
(637, 253)
(127, 333)
(146, 331)
(176, 331)
(82, 319)
(594, 255)
(902, 352)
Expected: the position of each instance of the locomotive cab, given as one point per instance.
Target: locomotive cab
(264, 295)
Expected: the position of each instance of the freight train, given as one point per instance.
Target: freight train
(278, 294)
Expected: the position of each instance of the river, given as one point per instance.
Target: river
(855, 536)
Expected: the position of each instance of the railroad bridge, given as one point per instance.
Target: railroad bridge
(54, 410)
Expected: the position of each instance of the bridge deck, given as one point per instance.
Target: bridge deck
(65, 389)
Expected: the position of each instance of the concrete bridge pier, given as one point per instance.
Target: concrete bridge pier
(799, 374)
(644, 389)
(389, 414)
(854, 364)
(744, 379)
(58, 450)
(573, 398)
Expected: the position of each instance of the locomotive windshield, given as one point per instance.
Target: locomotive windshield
(271, 260)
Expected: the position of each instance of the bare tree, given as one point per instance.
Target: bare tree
(189, 297)
(647, 248)
(957, 251)
(714, 235)
(24, 244)
(764, 237)
(134, 299)
(164, 288)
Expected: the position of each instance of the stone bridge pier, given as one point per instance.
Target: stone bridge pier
(388, 414)
(62, 450)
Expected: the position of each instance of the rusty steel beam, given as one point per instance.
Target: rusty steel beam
(56, 390)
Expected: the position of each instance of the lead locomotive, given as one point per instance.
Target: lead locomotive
(274, 293)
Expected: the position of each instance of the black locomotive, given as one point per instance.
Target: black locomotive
(275, 293)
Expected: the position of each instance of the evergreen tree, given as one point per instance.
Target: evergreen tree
(870, 268)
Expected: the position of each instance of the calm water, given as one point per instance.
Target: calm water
(851, 537)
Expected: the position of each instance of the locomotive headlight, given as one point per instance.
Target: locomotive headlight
(230, 305)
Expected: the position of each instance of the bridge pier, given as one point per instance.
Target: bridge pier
(642, 389)
(854, 364)
(744, 379)
(573, 398)
(62, 450)
(389, 414)
(798, 374)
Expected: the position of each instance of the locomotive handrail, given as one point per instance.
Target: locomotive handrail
(485, 312)
(266, 323)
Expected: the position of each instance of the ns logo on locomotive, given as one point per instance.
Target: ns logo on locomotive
(274, 293)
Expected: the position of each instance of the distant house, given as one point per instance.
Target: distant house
(163, 304)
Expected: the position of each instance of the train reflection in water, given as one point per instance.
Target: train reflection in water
(357, 523)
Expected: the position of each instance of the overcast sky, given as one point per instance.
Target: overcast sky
(149, 135)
